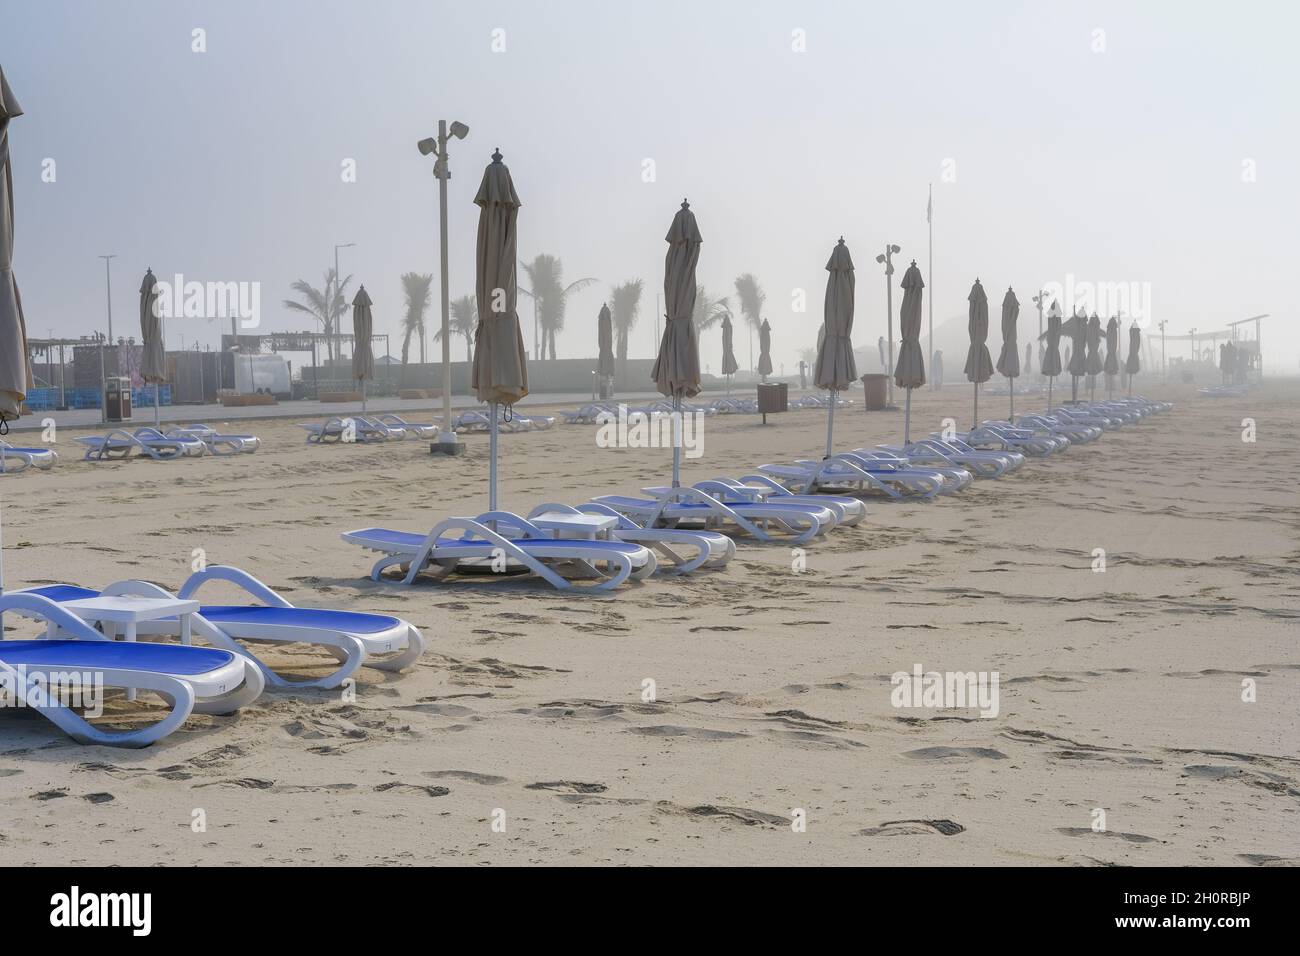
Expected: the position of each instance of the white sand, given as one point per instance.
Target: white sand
(1120, 690)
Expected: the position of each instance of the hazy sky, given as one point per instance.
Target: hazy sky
(1122, 156)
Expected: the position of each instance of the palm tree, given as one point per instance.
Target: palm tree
(708, 310)
(415, 287)
(550, 296)
(464, 316)
(751, 297)
(317, 304)
(625, 307)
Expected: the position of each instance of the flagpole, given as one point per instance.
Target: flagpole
(929, 219)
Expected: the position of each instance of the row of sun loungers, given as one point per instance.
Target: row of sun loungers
(362, 429)
(181, 441)
(14, 459)
(601, 545)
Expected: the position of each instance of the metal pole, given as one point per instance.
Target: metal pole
(677, 441)
(929, 271)
(108, 299)
(444, 173)
(975, 416)
(335, 320)
(889, 302)
(492, 463)
(830, 425)
(907, 420)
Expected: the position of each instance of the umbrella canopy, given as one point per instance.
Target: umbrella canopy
(1009, 359)
(15, 372)
(500, 369)
(729, 364)
(765, 349)
(1133, 365)
(835, 369)
(605, 337)
(153, 361)
(979, 364)
(1078, 345)
(910, 370)
(363, 323)
(1050, 365)
(1093, 360)
(676, 371)
(1112, 346)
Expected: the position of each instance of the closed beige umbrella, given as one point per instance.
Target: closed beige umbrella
(1051, 361)
(1092, 361)
(1009, 358)
(765, 350)
(153, 361)
(1133, 364)
(605, 341)
(15, 371)
(729, 363)
(979, 364)
(500, 368)
(910, 371)
(363, 357)
(1112, 353)
(835, 369)
(1077, 329)
(676, 371)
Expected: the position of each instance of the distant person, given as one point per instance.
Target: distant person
(936, 369)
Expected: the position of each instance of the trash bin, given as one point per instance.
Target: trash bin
(117, 399)
(773, 397)
(875, 388)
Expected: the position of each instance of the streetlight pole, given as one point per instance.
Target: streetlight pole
(1038, 301)
(338, 290)
(1164, 361)
(446, 437)
(888, 259)
(108, 299)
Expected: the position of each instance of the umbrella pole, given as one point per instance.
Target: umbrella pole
(975, 416)
(677, 441)
(156, 388)
(1050, 379)
(907, 419)
(363, 396)
(1011, 382)
(492, 465)
(830, 426)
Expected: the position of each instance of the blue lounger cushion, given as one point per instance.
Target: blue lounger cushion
(413, 540)
(352, 622)
(174, 659)
(738, 507)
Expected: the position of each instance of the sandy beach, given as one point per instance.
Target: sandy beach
(1120, 690)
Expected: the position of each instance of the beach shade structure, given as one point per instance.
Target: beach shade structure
(979, 364)
(153, 360)
(500, 374)
(1009, 358)
(676, 371)
(1092, 361)
(1112, 354)
(1050, 364)
(363, 357)
(729, 363)
(1077, 366)
(909, 373)
(15, 372)
(1133, 364)
(765, 350)
(605, 341)
(835, 369)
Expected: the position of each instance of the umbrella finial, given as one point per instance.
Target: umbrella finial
(841, 240)
(496, 154)
(686, 203)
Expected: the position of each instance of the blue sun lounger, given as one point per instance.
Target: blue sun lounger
(191, 679)
(14, 460)
(354, 638)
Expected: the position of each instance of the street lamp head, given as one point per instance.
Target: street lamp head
(895, 249)
(880, 258)
(427, 145)
(459, 130)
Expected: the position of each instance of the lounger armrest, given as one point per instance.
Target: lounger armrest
(235, 576)
(40, 606)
